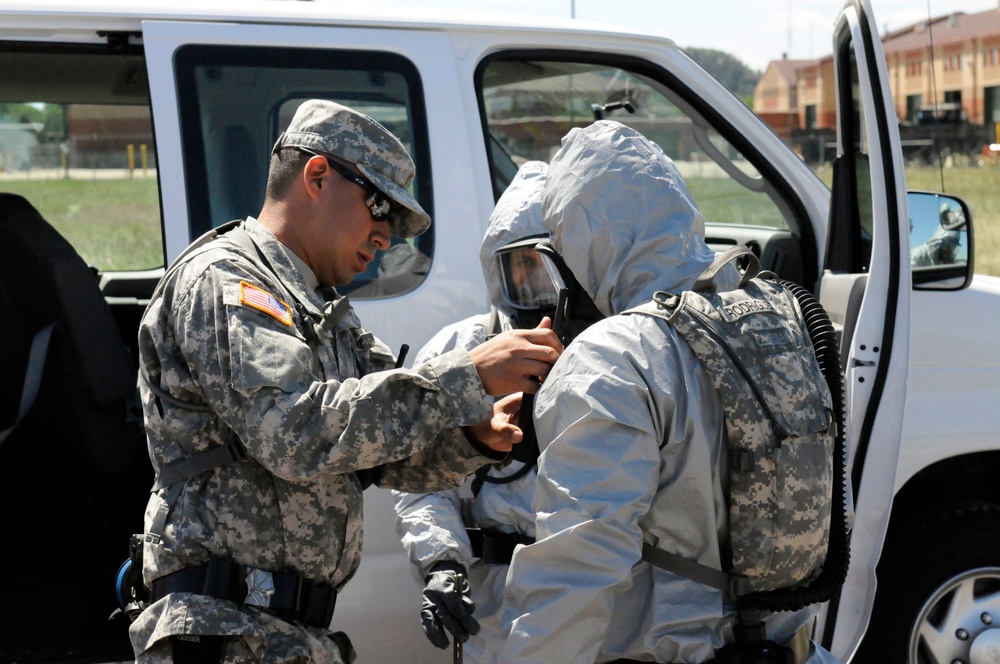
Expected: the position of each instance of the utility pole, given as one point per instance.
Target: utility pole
(789, 50)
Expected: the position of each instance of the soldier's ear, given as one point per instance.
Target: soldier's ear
(315, 171)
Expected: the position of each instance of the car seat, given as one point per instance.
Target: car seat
(74, 475)
(89, 380)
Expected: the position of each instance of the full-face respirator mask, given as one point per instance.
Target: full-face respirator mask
(575, 311)
(525, 283)
(536, 282)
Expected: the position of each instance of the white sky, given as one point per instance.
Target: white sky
(756, 31)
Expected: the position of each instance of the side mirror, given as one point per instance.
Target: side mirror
(941, 255)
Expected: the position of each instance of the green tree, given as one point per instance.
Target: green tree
(730, 70)
(51, 116)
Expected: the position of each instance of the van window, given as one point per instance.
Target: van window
(529, 104)
(239, 99)
(76, 140)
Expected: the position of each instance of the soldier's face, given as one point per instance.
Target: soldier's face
(349, 237)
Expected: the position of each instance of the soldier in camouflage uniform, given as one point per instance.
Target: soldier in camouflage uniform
(630, 428)
(268, 407)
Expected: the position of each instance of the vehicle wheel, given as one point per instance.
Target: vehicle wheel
(938, 598)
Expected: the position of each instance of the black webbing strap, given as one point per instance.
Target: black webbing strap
(289, 595)
(177, 471)
(689, 569)
(494, 547)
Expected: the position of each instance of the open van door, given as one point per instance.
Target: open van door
(868, 264)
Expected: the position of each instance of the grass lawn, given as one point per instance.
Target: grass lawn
(113, 223)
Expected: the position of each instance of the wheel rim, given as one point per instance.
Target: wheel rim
(961, 610)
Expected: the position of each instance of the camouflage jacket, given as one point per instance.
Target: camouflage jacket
(311, 403)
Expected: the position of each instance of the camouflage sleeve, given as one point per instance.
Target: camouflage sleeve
(454, 453)
(443, 465)
(263, 378)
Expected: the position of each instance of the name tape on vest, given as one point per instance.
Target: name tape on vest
(737, 310)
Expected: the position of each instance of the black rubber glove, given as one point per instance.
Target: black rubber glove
(447, 605)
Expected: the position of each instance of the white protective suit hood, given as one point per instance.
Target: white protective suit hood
(622, 217)
(518, 215)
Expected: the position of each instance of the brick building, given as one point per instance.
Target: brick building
(962, 50)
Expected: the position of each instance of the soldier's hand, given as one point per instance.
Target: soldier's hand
(447, 605)
(517, 360)
(500, 432)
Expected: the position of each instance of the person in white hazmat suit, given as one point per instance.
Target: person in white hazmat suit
(630, 430)
(432, 527)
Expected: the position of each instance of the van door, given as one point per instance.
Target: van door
(867, 265)
(221, 94)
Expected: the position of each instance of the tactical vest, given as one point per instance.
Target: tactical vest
(780, 428)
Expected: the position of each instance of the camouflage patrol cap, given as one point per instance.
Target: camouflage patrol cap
(332, 129)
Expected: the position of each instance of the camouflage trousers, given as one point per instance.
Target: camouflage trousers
(244, 650)
(250, 634)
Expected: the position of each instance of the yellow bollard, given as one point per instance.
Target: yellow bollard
(131, 159)
(142, 152)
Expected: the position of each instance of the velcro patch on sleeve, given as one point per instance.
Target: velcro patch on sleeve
(261, 300)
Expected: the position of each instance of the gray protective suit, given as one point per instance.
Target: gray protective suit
(630, 427)
(431, 526)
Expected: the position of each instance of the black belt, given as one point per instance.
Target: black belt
(286, 594)
(494, 547)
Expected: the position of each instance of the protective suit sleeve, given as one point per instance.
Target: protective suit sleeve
(596, 479)
(261, 378)
(431, 529)
(430, 525)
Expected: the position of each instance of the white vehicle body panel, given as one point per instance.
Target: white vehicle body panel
(952, 396)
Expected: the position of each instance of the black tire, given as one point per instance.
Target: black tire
(947, 558)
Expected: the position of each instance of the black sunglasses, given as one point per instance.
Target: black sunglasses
(377, 202)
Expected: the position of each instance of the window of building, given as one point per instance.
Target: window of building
(913, 103)
(991, 57)
(241, 98)
(953, 62)
(914, 68)
(810, 116)
(991, 104)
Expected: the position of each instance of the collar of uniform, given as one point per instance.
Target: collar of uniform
(291, 270)
(308, 276)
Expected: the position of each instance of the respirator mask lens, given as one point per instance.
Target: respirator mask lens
(526, 284)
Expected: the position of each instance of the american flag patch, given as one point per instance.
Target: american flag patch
(261, 300)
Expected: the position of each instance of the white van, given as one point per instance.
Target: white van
(134, 127)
